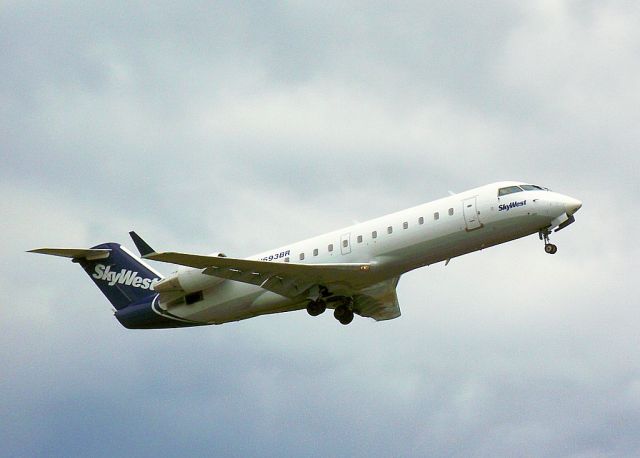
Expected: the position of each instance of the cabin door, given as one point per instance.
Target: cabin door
(470, 211)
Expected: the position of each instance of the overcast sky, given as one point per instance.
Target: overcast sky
(242, 126)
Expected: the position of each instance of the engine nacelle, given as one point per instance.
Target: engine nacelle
(188, 280)
(191, 280)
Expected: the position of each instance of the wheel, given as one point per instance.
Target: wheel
(550, 248)
(315, 308)
(343, 314)
(555, 249)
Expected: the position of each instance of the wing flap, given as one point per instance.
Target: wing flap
(379, 301)
(287, 279)
(379, 310)
(245, 265)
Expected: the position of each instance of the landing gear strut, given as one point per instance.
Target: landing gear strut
(549, 247)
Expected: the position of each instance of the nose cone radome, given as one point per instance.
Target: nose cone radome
(572, 205)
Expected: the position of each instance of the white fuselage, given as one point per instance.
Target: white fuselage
(393, 244)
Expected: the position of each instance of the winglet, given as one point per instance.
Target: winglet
(142, 246)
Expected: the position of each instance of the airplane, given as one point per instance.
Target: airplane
(354, 270)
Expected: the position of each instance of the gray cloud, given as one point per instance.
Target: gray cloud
(239, 127)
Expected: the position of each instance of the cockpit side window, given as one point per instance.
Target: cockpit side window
(531, 187)
(509, 190)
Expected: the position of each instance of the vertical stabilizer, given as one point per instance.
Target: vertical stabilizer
(122, 276)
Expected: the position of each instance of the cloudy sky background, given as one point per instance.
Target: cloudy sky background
(238, 127)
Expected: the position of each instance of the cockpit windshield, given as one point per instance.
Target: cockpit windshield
(523, 187)
(509, 190)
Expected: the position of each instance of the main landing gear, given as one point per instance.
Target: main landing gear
(549, 247)
(317, 307)
(343, 312)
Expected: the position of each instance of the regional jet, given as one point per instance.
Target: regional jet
(354, 270)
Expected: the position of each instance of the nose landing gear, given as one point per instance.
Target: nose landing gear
(549, 247)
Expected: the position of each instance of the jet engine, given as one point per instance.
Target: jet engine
(188, 280)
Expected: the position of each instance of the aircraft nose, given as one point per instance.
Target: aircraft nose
(572, 205)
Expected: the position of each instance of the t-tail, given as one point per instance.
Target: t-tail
(125, 280)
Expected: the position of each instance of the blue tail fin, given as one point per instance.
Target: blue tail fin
(126, 281)
(121, 276)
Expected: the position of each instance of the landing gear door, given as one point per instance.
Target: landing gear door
(345, 243)
(471, 215)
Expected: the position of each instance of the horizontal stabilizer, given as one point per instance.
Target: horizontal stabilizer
(89, 254)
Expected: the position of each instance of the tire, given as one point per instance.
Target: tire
(343, 314)
(315, 308)
(348, 318)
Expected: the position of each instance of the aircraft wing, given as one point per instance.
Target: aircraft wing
(287, 279)
(378, 300)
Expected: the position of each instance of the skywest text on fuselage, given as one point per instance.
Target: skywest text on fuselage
(509, 206)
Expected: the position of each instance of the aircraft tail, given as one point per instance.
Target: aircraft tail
(121, 276)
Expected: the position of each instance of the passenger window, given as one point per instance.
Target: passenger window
(389, 229)
(451, 212)
(421, 220)
(374, 234)
(508, 190)
(301, 256)
(330, 247)
(345, 243)
(359, 239)
(436, 215)
(405, 225)
(286, 259)
(315, 252)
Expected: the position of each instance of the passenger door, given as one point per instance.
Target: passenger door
(470, 210)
